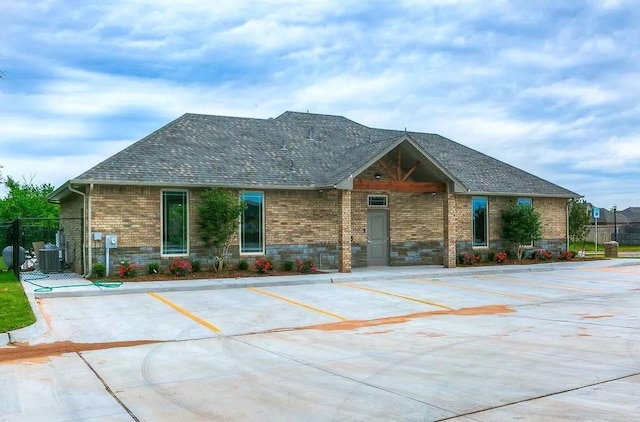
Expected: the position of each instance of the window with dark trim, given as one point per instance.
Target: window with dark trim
(378, 201)
(252, 223)
(480, 222)
(174, 223)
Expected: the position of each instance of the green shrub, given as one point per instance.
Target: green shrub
(98, 270)
(490, 256)
(196, 266)
(153, 268)
(288, 265)
(243, 265)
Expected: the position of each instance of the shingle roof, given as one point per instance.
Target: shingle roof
(297, 150)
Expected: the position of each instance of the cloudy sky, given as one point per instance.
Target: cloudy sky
(552, 87)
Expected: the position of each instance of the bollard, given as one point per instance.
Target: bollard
(610, 249)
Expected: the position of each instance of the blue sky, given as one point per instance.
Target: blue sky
(552, 87)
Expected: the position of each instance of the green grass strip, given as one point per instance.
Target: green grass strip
(15, 310)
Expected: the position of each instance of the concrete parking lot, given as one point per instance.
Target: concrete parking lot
(506, 343)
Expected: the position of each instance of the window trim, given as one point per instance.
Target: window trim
(263, 228)
(386, 201)
(486, 223)
(162, 222)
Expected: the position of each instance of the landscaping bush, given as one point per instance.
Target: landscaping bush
(566, 256)
(500, 257)
(98, 270)
(263, 265)
(127, 269)
(153, 268)
(180, 267)
(196, 266)
(469, 258)
(288, 265)
(543, 255)
(243, 265)
(306, 266)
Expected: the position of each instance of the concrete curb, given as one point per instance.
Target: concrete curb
(394, 273)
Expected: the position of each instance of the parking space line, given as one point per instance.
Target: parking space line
(541, 284)
(475, 289)
(185, 312)
(415, 299)
(295, 302)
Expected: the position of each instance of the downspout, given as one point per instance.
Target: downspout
(90, 251)
(84, 200)
(567, 214)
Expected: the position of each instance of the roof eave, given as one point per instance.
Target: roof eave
(87, 182)
(568, 195)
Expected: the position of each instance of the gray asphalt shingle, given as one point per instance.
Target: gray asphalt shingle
(297, 150)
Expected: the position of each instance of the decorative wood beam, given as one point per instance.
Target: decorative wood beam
(411, 170)
(387, 169)
(399, 186)
(398, 164)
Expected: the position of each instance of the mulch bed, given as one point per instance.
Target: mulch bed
(230, 273)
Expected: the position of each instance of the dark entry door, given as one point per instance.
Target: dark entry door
(377, 238)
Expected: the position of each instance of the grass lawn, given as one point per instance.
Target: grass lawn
(15, 310)
(591, 247)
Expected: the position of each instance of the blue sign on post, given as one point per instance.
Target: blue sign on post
(596, 213)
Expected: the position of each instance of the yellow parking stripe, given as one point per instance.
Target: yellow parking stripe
(295, 302)
(540, 283)
(475, 289)
(185, 312)
(415, 299)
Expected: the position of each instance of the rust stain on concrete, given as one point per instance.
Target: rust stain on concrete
(355, 324)
(378, 332)
(39, 353)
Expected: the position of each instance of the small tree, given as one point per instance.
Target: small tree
(521, 226)
(218, 218)
(26, 200)
(579, 221)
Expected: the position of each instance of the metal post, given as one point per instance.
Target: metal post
(615, 224)
(16, 248)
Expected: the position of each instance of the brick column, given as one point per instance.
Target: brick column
(344, 200)
(449, 220)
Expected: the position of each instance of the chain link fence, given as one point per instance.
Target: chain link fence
(48, 245)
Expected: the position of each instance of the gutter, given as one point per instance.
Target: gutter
(198, 185)
(569, 195)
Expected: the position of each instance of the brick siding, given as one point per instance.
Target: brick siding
(308, 223)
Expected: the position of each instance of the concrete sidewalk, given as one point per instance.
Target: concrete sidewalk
(79, 287)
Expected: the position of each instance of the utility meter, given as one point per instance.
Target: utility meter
(111, 241)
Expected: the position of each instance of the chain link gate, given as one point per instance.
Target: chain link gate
(50, 244)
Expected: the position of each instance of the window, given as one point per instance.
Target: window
(528, 202)
(174, 223)
(252, 223)
(378, 201)
(480, 221)
(525, 201)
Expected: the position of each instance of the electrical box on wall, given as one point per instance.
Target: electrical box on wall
(111, 241)
(97, 236)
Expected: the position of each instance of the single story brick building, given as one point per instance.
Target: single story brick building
(315, 186)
